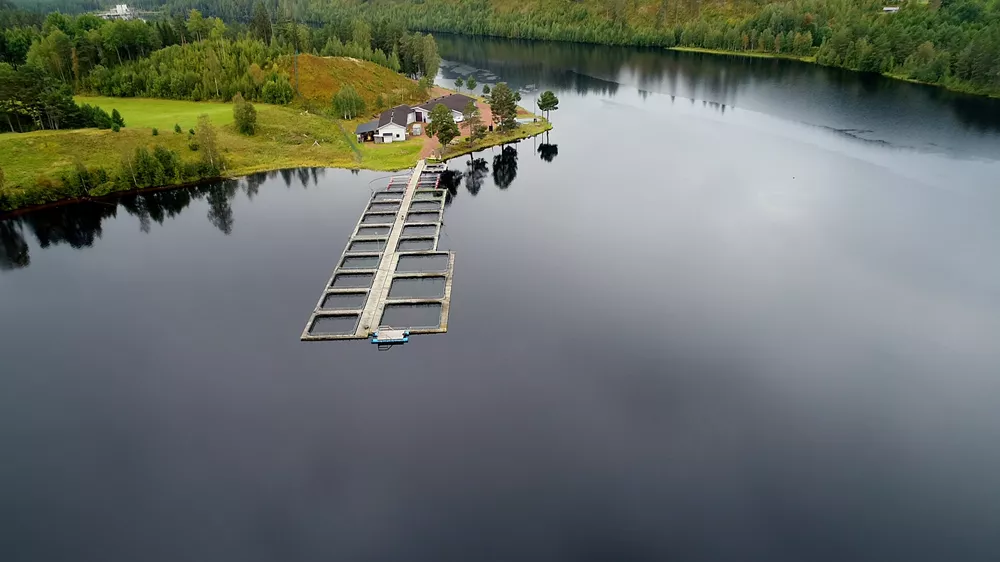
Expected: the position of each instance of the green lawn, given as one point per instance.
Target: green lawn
(163, 114)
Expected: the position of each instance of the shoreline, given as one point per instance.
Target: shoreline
(288, 137)
(812, 60)
(518, 135)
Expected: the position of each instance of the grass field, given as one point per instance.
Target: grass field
(163, 114)
(287, 136)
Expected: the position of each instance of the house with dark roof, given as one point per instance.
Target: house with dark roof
(389, 127)
(455, 102)
(392, 123)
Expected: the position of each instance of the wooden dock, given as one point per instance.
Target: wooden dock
(391, 269)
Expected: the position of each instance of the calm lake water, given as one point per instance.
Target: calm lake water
(729, 309)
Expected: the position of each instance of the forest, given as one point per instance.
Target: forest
(953, 43)
(47, 57)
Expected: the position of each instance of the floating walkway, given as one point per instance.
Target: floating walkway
(391, 274)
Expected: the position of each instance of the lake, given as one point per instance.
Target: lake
(728, 309)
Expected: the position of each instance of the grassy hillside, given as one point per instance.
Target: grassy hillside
(287, 137)
(319, 78)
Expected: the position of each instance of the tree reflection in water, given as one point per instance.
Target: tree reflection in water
(475, 172)
(450, 180)
(548, 152)
(79, 224)
(505, 167)
(13, 248)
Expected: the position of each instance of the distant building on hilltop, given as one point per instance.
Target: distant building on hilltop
(120, 12)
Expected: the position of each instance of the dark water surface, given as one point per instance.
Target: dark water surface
(728, 310)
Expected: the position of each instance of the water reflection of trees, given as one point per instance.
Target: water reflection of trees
(220, 209)
(814, 94)
(475, 172)
(80, 225)
(13, 248)
(450, 180)
(505, 167)
(548, 152)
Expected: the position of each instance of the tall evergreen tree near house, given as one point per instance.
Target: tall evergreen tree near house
(459, 83)
(503, 107)
(471, 83)
(548, 102)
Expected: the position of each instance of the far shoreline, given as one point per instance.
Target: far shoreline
(811, 59)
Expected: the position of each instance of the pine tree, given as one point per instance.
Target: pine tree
(548, 102)
(504, 107)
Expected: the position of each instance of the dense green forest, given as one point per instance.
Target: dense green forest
(46, 57)
(954, 43)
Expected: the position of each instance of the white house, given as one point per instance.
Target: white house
(455, 102)
(392, 124)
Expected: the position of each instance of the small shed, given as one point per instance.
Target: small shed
(366, 131)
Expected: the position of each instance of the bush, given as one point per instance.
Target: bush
(193, 145)
(116, 118)
(191, 132)
(245, 115)
(94, 116)
(170, 161)
(156, 131)
(177, 128)
(277, 91)
(116, 127)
